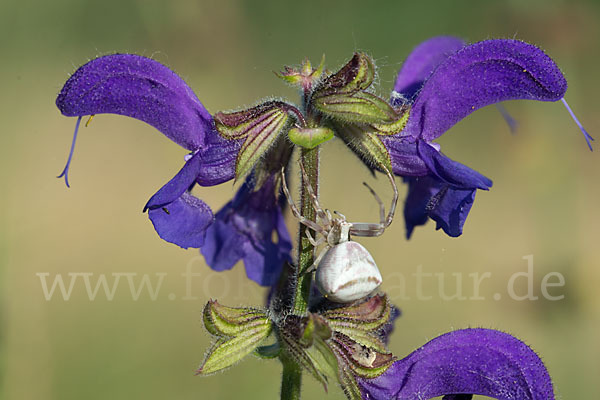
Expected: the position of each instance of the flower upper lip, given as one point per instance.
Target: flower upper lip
(469, 361)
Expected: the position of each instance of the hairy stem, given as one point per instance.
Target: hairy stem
(310, 160)
(291, 382)
(292, 371)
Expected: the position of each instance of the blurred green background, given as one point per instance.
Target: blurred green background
(544, 201)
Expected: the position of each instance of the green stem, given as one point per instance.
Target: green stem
(310, 161)
(291, 382)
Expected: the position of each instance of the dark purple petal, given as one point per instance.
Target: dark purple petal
(183, 221)
(420, 192)
(428, 197)
(178, 185)
(406, 161)
(470, 361)
(141, 88)
(244, 230)
(450, 209)
(222, 247)
(421, 62)
(478, 75)
(449, 171)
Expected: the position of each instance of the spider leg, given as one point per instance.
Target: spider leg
(381, 206)
(366, 229)
(342, 216)
(318, 260)
(312, 240)
(370, 229)
(390, 216)
(304, 221)
(320, 213)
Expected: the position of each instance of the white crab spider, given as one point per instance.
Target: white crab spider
(346, 270)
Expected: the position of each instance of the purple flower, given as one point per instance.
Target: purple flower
(443, 81)
(462, 363)
(144, 89)
(243, 230)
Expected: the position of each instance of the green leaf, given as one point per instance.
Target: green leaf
(359, 107)
(310, 138)
(227, 351)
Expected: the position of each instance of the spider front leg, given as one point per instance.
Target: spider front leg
(374, 229)
(321, 214)
(304, 221)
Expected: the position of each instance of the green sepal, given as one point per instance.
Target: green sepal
(255, 146)
(268, 352)
(364, 361)
(229, 321)
(260, 126)
(323, 358)
(270, 165)
(349, 384)
(298, 353)
(310, 138)
(359, 321)
(316, 327)
(307, 341)
(392, 128)
(359, 336)
(358, 74)
(249, 122)
(359, 107)
(370, 314)
(227, 351)
(367, 145)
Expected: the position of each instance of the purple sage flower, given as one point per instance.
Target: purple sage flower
(443, 81)
(463, 363)
(243, 230)
(144, 89)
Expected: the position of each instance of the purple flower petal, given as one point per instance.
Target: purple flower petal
(428, 197)
(222, 247)
(178, 185)
(470, 361)
(183, 221)
(218, 160)
(449, 208)
(449, 171)
(138, 87)
(420, 192)
(478, 75)
(421, 62)
(405, 158)
(244, 230)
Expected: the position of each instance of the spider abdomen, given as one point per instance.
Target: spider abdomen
(347, 272)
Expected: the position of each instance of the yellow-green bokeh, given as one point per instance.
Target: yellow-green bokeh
(544, 201)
